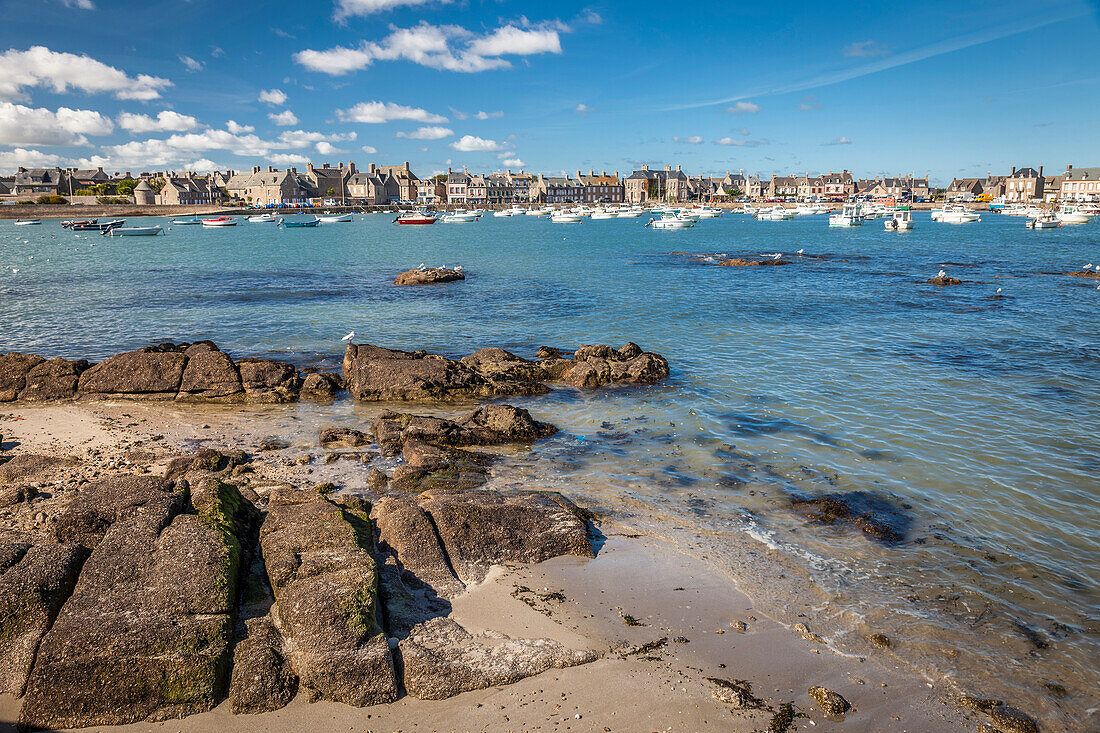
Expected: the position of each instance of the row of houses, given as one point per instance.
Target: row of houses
(381, 185)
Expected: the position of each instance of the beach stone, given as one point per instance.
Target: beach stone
(429, 276)
(206, 460)
(437, 467)
(10, 496)
(831, 703)
(1010, 720)
(34, 582)
(373, 373)
(33, 468)
(13, 373)
(320, 386)
(804, 631)
(210, 375)
(339, 437)
(262, 679)
(148, 373)
(53, 379)
(549, 352)
(943, 280)
(495, 362)
(147, 631)
(405, 530)
(377, 480)
(272, 443)
(875, 515)
(482, 528)
(880, 641)
(269, 381)
(322, 571)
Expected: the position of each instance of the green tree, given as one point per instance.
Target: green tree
(126, 187)
(52, 199)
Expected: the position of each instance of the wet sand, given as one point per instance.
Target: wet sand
(663, 621)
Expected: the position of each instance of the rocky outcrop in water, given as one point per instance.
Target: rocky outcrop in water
(943, 280)
(429, 276)
(877, 516)
(1087, 274)
(743, 262)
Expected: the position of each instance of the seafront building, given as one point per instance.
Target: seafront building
(1080, 184)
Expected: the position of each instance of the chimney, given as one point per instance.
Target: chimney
(668, 167)
(1013, 171)
(1069, 166)
(406, 165)
(1040, 171)
(645, 166)
(616, 175)
(255, 169)
(578, 175)
(677, 166)
(372, 169)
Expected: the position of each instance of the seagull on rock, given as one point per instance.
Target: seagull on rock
(801, 251)
(998, 291)
(777, 255)
(421, 266)
(941, 274)
(349, 337)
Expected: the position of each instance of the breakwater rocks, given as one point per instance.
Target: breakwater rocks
(429, 276)
(200, 372)
(138, 596)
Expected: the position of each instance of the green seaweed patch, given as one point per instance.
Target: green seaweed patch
(359, 611)
(647, 649)
(325, 488)
(528, 596)
(782, 719)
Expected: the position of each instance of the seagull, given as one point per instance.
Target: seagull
(1088, 266)
(998, 291)
(777, 255)
(421, 266)
(458, 268)
(941, 274)
(1098, 268)
(15, 271)
(349, 337)
(801, 251)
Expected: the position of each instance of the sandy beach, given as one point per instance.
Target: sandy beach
(664, 622)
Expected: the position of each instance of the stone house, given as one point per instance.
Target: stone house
(458, 183)
(556, 190)
(326, 178)
(1024, 184)
(810, 187)
(41, 182)
(430, 192)
(782, 186)
(521, 185)
(963, 189)
(271, 187)
(601, 187)
(368, 188)
(647, 185)
(1081, 184)
(404, 180)
(187, 190)
(144, 195)
(838, 185)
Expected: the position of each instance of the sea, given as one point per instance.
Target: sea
(965, 418)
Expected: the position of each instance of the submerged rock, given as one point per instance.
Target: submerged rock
(429, 276)
(1088, 274)
(942, 280)
(875, 515)
(832, 704)
(742, 262)
(340, 437)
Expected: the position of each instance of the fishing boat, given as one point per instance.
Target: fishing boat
(688, 215)
(262, 219)
(669, 221)
(707, 212)
(417, 217)
(1073, 215)
(298, 223)
(957, 215)
(132, 231)
(187, 222)
(27, 222)
(504, 213)
(631, 212)
(900, 221)
(334, 218)
(849, 216)
(221, 221)
(778, 213)
(566, 217)
(1043, 221)
(461, 217)
(605, 214)
(73, 222)
(538, 211)
(97, 227)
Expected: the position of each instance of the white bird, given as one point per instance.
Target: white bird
(1098, 268)
(998, 291)
(1088, 266)
(15, 270)
(941, 274)
(349, 337)
(458, 268)
(801, 251)
(777, 255)
(421, 266)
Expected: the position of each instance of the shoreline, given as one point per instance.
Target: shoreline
(696, 607)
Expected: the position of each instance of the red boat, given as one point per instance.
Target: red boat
(417, 218)
(221, 221)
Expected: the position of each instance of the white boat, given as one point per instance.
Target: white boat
(1073, 215)
(901, 220)
(849, 216)
(538, 211)
(688, 214)
(187, 222)
(778, 213)
(262, 219)
(334, 218)
(631, 212)
(1043, 221)
(705, 212)
(605, 214)
(809, 210)
(461, 217)
(956, 215)
(132, 231)
(504, 213)
(566, 217)
(221, 221)
(669, 221)
(27, 222)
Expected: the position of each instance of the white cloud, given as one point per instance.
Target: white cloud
(327, 148)
(202, 165)
(288, 159)
(693, 140)
(79, 4)
(370, 149)
(38, 66)
(488, 115)
(286, 118)
(742, 108)
(10, 160)
(379, 112)
(447, 47)
(512, 163)
(190, 63)
(346, 8)
(273, 96)
(808, 103)
(302, 139)
(842, 140)
(738, 142)
(21, 125)
(166, 121)
(428, 133)
(472, 144)
(237, 129)
(862, 49)
(581, 109)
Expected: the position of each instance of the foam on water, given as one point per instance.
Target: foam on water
(975, 419)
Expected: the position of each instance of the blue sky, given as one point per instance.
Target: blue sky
(943, 88)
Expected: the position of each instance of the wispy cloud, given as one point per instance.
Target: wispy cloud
(865, 48)
(376, 113)
(431, 132)
(582, 110)
(809, 103)
(740, 143)
(842, 140)
(693, 140)
(273, 96)
(744, 108)
(190, 63)
(903, 58)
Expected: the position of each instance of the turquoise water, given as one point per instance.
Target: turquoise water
(977, 419)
